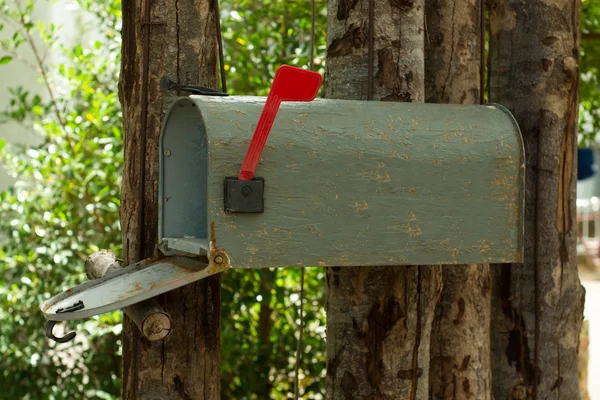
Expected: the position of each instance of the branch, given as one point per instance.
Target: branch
(150, 318)
(590, 36)
(18, 57)
(46, 79)
(90, 200)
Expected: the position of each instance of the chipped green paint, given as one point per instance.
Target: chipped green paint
(348, 182)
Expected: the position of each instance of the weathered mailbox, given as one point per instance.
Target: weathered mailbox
(345, 183)
(340, 183)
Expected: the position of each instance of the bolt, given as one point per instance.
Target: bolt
(219, 260)
(167, 153)
(246, 191)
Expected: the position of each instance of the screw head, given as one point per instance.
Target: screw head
(167, 153)
(219, 260)
(246, 191)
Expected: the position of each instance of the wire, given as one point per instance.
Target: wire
(482, 64)
(371, 50)
(312, 37)
(220, 44)
(301, 327)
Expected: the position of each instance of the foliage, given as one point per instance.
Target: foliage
(260, 317)
(64, 204)
(259, 36)
(260, 332)
(589, 86)
(66, 199)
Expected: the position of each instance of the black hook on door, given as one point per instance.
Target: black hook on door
(67, 338)
(50, 324)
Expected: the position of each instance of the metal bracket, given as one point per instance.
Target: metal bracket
(50, 324)
(168, 84)
(245, 196)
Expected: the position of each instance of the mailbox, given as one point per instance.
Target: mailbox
(340, 183)
(346, 183)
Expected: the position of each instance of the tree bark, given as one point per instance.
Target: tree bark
(378, 318)
(176, 39)
(460, 339)
(537, 306)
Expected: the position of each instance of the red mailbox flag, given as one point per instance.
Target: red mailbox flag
(290, 84)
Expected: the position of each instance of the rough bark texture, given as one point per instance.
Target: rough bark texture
(181, 45)
(398, 60)
(378, 318)
(453, 51)
(460, 339)
(537, 307)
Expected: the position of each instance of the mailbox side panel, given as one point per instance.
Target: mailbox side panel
(369, 183)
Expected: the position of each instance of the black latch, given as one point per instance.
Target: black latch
(75, 307)
(244, 196)
(167, 84)
(50, 324)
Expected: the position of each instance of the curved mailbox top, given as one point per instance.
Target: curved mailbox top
(345, 183)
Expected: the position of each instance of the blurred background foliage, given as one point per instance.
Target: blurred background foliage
(589, 95)
(261, 35)
(65, 203)
(260, 315)
(63, 206)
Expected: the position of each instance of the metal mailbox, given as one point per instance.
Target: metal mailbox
(340, 183)
(345, 183)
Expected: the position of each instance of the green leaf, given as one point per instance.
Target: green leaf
(5, 59)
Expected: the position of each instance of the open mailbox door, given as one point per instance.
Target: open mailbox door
(340, 183)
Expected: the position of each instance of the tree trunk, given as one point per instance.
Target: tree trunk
(537, 306)
(378, 318)
(175, 39)
(460, 339)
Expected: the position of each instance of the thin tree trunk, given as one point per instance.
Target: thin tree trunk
(181, 44)
(537, 306)
(460, 339)
(378, 318)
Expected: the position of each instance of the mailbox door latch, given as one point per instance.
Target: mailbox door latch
(244, 196)
(167, 84)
